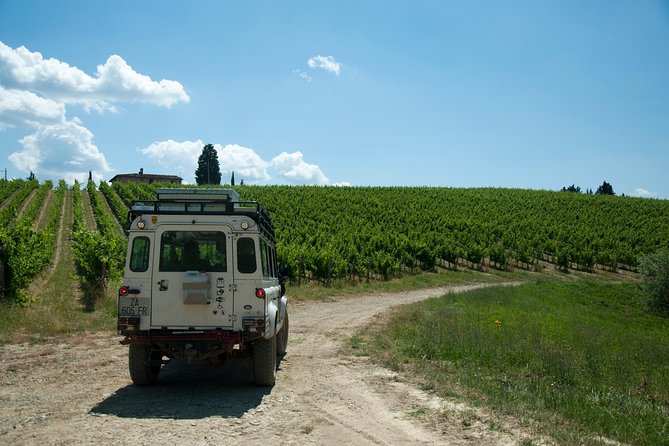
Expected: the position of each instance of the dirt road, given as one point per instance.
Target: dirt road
(76, 390)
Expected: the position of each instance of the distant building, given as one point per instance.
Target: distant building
(142, 177)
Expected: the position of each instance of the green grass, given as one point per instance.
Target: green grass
(58, 310)
(312, 291)
(579, 359)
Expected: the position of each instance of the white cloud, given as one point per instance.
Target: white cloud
(292, 168)
(34, 93)
(641, 192)
(26, 109)
(118, 81)
(115, 81)
(64, 150)
(180, 158)
(327, 63)
(245, 162)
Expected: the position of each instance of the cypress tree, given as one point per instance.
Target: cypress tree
(208, 169)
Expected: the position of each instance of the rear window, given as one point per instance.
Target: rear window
(139, 255)
(193, 251)
(246, 255)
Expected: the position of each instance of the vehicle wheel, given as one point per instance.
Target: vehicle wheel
(264, 361)
(144, 364)
(282, 342)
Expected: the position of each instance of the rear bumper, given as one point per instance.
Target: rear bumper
(173, 337)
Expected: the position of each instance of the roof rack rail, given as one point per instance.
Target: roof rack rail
(197, 194)
(200, 201)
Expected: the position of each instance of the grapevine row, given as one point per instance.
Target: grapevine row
(26, 250)
(7, 188)
(117, 205)
(11, 210)
(31, 213)
(99, 254)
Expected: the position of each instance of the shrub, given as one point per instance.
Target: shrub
(655, 270)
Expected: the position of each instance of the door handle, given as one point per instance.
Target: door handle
(164, 284)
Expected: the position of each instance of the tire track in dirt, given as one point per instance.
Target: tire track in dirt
(26, 204)
(44, 211)
(77, 390)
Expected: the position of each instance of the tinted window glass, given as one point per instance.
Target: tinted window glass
(193, 251)
(272, 262)
(139, 257)
(246, 255)
(263, 258)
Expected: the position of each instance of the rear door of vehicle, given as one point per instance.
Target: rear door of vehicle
(192, 277)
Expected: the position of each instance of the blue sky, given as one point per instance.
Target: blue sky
(517, 94)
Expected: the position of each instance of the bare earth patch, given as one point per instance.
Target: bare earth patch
(76, 390)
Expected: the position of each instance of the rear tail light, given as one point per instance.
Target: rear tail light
(125, 290)
(260, 293)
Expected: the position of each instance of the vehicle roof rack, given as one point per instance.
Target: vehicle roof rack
(197, 194)
(203, 201)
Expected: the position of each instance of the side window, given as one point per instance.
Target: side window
(272, 261)
(246, 255)
(275, 269)
(139, 256)
(263, 258)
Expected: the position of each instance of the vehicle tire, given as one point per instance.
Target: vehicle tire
(282, 341)
(144, 364)
(264, 361)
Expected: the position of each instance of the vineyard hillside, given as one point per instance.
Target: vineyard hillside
(325, 233)
(330, 232)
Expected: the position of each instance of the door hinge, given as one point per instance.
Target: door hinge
(232, 287)
(233, 317)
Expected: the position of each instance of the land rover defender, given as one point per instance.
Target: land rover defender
(201, 281)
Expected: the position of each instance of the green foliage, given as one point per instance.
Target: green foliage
(117, 205)
(20, 193)
(25, 256)
(7, 188)
(99, 254)
(417, 227)
(572, 188)
(581, 356)
(208, 168)
(31, 213)
(77, 208)
(655, 270)
(28, 251)
(100, 257)
(605, 189)
(563, 259)
(498, 256)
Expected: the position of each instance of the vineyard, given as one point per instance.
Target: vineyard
(28, 248)
(326, 233)
(336, 232)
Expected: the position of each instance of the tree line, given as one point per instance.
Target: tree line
(604, 189)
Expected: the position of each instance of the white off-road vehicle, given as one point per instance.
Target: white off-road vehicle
(201, 281)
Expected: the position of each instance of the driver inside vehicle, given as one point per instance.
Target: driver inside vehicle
(191, 258)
